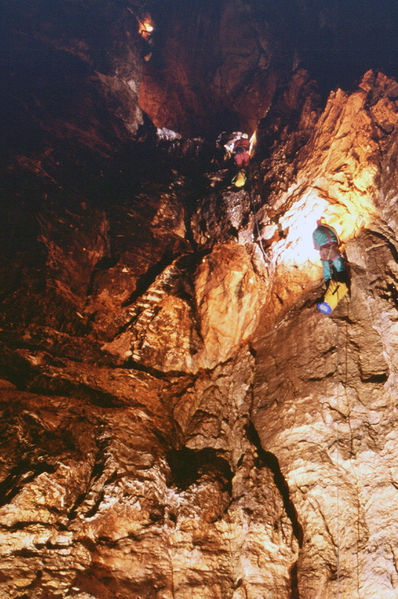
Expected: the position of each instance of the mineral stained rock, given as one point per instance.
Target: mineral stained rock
(177, 418)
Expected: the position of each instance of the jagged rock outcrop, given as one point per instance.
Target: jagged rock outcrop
(223, 64)
(178, 420)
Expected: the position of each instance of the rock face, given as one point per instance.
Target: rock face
(178, 420)
(222, 65)
(217, 62)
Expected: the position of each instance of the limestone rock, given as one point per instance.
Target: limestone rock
(177, 418)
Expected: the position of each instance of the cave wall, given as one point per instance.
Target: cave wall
(223, 65)
(178, 420)
(214, 67)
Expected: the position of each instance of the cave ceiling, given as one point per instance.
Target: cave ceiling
(178, 420)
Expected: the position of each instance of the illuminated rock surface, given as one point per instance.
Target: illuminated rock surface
(177, 418)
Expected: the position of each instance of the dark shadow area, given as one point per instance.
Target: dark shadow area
(294, 593)
(146, 280)
(19, 476)
(187, 466)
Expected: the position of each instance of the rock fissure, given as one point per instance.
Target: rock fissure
(131, 364)
(145, 282)
(270, 461)
(20, 476)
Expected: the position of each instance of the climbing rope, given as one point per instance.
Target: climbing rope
(253, 210)
(337, 483)
(351, 447)
(338, 538)
(257, 228)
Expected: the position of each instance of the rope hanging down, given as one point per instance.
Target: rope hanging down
(258, 229)
(337, 436)
(266, 259)
(337, 483)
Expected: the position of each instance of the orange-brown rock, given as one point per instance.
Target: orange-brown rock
(177, 418)
(255, 456)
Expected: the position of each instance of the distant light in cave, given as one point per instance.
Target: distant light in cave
(253, 142)
(146, 27)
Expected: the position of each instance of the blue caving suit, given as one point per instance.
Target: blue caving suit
(326, 241)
